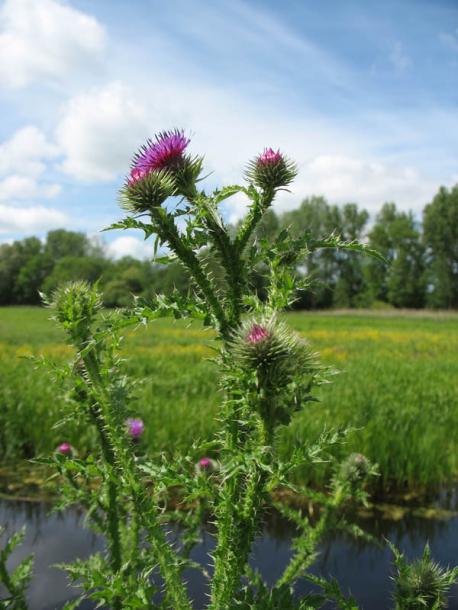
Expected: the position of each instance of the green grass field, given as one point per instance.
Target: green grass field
(398, 386)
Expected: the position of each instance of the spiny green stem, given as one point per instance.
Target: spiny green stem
(252, 220)
(236, 527)
(17, 595)
(164, 555)
(230, 259)
(191, 262)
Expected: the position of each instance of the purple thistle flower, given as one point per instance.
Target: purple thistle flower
(165, 152)
(135, 427)
(65, 449)
(269, 157)
(257, 334)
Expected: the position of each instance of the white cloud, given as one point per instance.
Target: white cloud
(25, 152)
(23, 187)
(102, 128)
(45, 38)
(369, 183)
(99, 131)
(127, 245)
(23, 160)
(30, 220)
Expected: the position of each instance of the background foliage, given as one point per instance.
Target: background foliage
(421, 269)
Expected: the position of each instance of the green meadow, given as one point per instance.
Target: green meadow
(397, 388)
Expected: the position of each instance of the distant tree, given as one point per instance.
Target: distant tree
(61, 243)
(69, 268)
(31, 278)
(314, 215)
(399, 281)
(350, 223)
(338, 277)
(440, 233)
(12, 258)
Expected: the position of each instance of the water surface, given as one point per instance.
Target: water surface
(361, 568)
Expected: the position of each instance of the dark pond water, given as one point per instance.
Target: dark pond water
(361, 568)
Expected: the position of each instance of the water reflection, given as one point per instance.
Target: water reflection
(361, 568)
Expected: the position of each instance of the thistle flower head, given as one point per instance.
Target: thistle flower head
(271, 170)
(257, 333)
(135, 427)
(146, 191)
(422, 583)
(267, 343)
(206, 465)
(280, 365)
(75, 306)
(270, 157)
(355, 469)
(65, 449)
(164, 152)
(159, 170)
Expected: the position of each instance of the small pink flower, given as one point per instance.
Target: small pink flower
(257, 334)
(65, 449)
(205, 463)
(269, 157)
(135, 427)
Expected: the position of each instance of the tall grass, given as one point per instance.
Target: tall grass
(398, 387)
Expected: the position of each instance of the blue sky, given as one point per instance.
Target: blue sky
(363, 94)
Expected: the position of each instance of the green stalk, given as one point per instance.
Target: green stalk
(16, 594)
(91, 365)
(191, 262)
(230, 259)
(236, 531)
(252, 220)
(147, 515)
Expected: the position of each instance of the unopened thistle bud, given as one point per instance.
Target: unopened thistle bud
(65, 449)
(355, 469)
(146, 191)
(273, 350)
(271, 170)
(206, 465)
(135, 427)
(257, 334)
(423, 583)
(76, 304)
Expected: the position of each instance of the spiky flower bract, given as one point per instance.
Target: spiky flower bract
(147, 193)
(271, 170)
(421, 584)
(75, 306)
(282, 362)
(355, 469)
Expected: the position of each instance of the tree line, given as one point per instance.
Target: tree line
(421, 268)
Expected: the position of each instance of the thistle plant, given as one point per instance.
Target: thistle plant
(422, 583)
(267, 376)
